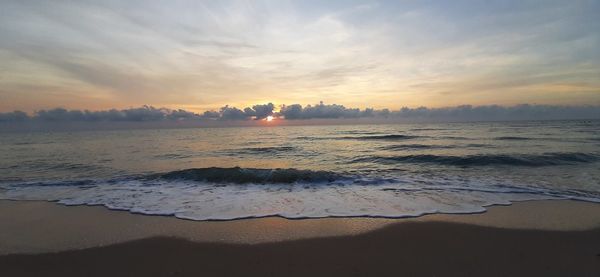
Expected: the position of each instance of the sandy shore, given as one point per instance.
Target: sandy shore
(537, 238)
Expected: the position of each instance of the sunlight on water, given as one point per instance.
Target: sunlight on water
(371, 170)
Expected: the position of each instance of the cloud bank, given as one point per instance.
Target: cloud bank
(297, 112)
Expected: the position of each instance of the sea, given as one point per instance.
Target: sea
(385, 170)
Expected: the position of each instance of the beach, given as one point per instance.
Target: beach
(532, 238)
(299, 138)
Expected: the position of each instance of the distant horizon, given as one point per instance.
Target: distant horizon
(148, 117)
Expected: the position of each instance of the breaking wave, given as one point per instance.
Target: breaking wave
(238, 175)
(235, 193)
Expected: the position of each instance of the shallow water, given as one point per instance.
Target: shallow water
(310, 171)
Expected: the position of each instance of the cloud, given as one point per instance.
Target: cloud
(16, 116)
(322, 111)
(211, 115)
(310, 112)
(256, 112)
(145, 113)
(117, 53)
(232, 113)
(181, 115)
(458, 113)
(495, 112)
(260, 111)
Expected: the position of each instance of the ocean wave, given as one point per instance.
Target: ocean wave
(171, 156)
(259, 150)
(547, 159)
(383, 137)
(429, 129)
(314, 138)
(391, 137)
(59, 183)
(477, 145)
(53, 165)
(452, 138)
(513, 138)
(415, 147)
(238, 175)
(22, 143)
(355, 132)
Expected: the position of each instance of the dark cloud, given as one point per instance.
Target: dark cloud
(459, 113)
(145, 113)
(260, 111)
(181, 115)
(256, 112)
(321, 110)
(16, 116)
(211, 115)
(232, 113)
(495, 112)
(298, 112)
(141, 114)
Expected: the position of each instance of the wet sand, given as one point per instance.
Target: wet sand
(537, 238)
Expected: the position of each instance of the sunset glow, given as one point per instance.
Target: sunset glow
(203, 55)
(299, 138)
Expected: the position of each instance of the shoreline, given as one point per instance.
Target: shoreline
(404, 249)
(531, 238)
(43, 227)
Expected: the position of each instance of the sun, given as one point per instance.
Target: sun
(270, 118)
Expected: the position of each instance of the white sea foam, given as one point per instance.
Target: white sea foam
(348, 198)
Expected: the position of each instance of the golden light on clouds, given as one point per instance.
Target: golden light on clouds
(203, 56)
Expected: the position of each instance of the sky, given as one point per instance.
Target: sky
(203, 55)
